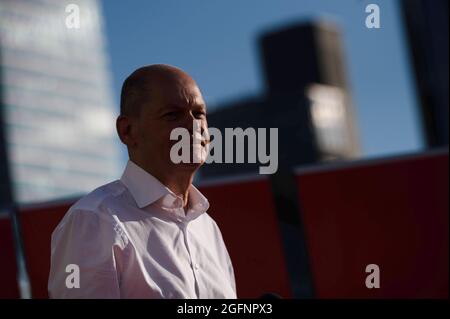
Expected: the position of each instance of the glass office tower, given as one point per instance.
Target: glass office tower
(58, 114)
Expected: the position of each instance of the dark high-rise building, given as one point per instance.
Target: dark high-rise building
(427, 32)
(306, 98)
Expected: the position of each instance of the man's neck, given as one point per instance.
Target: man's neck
(178, 181)
(180, 186)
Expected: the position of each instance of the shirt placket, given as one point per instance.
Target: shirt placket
(191, 251)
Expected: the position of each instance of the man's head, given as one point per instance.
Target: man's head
(156, 99)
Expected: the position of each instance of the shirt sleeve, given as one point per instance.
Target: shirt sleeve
(84, 250)
(225, 256)
(231, 271)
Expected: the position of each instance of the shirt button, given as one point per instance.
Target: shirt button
(196, 266)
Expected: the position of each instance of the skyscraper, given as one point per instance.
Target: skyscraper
(307, 98)
(426, 25)
(55, 98)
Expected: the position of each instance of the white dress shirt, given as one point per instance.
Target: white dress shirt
(132, 239)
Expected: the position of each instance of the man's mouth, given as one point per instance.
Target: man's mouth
(205, 142)
(202, 142)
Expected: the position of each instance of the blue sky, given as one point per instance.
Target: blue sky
(215, 42)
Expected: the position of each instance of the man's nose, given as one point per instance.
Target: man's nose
(189, 123)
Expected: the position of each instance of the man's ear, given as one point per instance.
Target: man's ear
(124, 127)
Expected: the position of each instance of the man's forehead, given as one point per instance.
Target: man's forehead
(181, 105)
(187, 98)
(171, 88)
(182, 97)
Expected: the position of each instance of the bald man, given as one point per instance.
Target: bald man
(147, 235)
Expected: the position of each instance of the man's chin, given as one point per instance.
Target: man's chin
(188, 166)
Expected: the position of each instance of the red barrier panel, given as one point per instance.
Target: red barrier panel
(37, 225)
(393, 213)
(8, 266)
(245, 213)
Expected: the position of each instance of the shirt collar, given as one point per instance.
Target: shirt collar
(146, 189)
(198, 203)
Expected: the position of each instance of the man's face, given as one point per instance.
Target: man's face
(174, 104)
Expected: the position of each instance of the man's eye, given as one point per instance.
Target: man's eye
(170, 115)
(199, 114)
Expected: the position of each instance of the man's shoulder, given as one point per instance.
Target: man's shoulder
(207, 218)
(91, 217)
(99, 197)
(94, 205)
(210, 222)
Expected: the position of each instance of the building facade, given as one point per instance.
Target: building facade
(56, 103)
